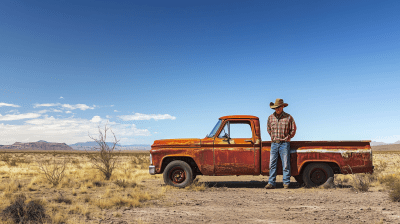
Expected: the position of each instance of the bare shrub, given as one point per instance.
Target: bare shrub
(98, 183)
(392, 182)
(5, 157)
(140, 161)
(125, 184)
(53, 170)
(20, 212)
(395, 191)
(106, 160)
(61, 199)
(8, 159)
(360, 182)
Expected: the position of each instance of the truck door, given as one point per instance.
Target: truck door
(234, 150)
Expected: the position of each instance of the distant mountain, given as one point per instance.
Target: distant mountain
(40, 145)
(91, 145)
(373, 143)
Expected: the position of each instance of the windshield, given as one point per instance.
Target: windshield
(215, 129)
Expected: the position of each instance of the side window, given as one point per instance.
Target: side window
(240, 130)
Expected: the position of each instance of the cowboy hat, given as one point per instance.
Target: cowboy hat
(278, 103)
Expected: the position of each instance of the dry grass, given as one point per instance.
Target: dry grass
(83, 192)
(196, 186)
(386, 176)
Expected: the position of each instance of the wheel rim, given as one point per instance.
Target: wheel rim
(318, 176)
(177, 175)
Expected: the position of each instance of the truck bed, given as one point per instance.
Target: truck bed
(345, 145)
(341, 154)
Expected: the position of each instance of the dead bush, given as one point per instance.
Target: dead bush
(8, 159)
(98, 183)
(106, 158)
(53, 169)
(125, 184)
(394, 193)
(61, 199)
(360, 182)
(392, 182)
(19, 212)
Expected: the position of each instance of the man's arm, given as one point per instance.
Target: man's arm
(269, 126)
(293, 127)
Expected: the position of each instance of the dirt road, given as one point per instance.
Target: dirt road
(243, 199)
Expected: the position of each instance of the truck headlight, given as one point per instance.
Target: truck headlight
(151, 160)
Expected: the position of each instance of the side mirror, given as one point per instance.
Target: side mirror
(226, 138)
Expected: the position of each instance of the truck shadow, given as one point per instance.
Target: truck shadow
(247, 184)
(257, 184)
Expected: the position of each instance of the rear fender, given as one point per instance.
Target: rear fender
(335, 167)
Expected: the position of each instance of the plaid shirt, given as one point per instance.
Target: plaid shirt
(281, 128)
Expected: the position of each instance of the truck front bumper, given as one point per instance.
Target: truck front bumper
(152, 169)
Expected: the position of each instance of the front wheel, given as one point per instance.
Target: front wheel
(316, 174)
(178, 174)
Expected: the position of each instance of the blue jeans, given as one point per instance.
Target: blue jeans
(282, 150)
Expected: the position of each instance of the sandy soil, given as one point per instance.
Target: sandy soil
(243, 199)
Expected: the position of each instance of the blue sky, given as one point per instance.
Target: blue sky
(170, 69)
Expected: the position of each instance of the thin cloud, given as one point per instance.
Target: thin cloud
(116, 111)
(8, 105)
(77, 106)
(43, 111)
(46, 105)
(139, 116)
(68, 130)
(14, 117)
(66, 106)
(61, 97)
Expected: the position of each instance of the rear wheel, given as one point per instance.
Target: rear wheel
(178, 174)
(316, 174)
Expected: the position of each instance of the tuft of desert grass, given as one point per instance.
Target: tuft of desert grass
(196, 186)
(58, 217)
(79, 209)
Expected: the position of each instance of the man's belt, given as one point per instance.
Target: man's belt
(278, 141)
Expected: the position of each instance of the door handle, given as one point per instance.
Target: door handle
(248, 140)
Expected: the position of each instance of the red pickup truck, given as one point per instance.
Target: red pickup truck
(234, 147)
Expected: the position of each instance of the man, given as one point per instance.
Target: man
(281, 127)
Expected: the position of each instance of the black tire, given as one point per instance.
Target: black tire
(316, 174)
(178, 174)
(299, 179)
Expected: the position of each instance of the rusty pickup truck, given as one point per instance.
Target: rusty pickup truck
(234, 147)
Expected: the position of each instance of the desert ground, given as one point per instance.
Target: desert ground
(131, 195)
